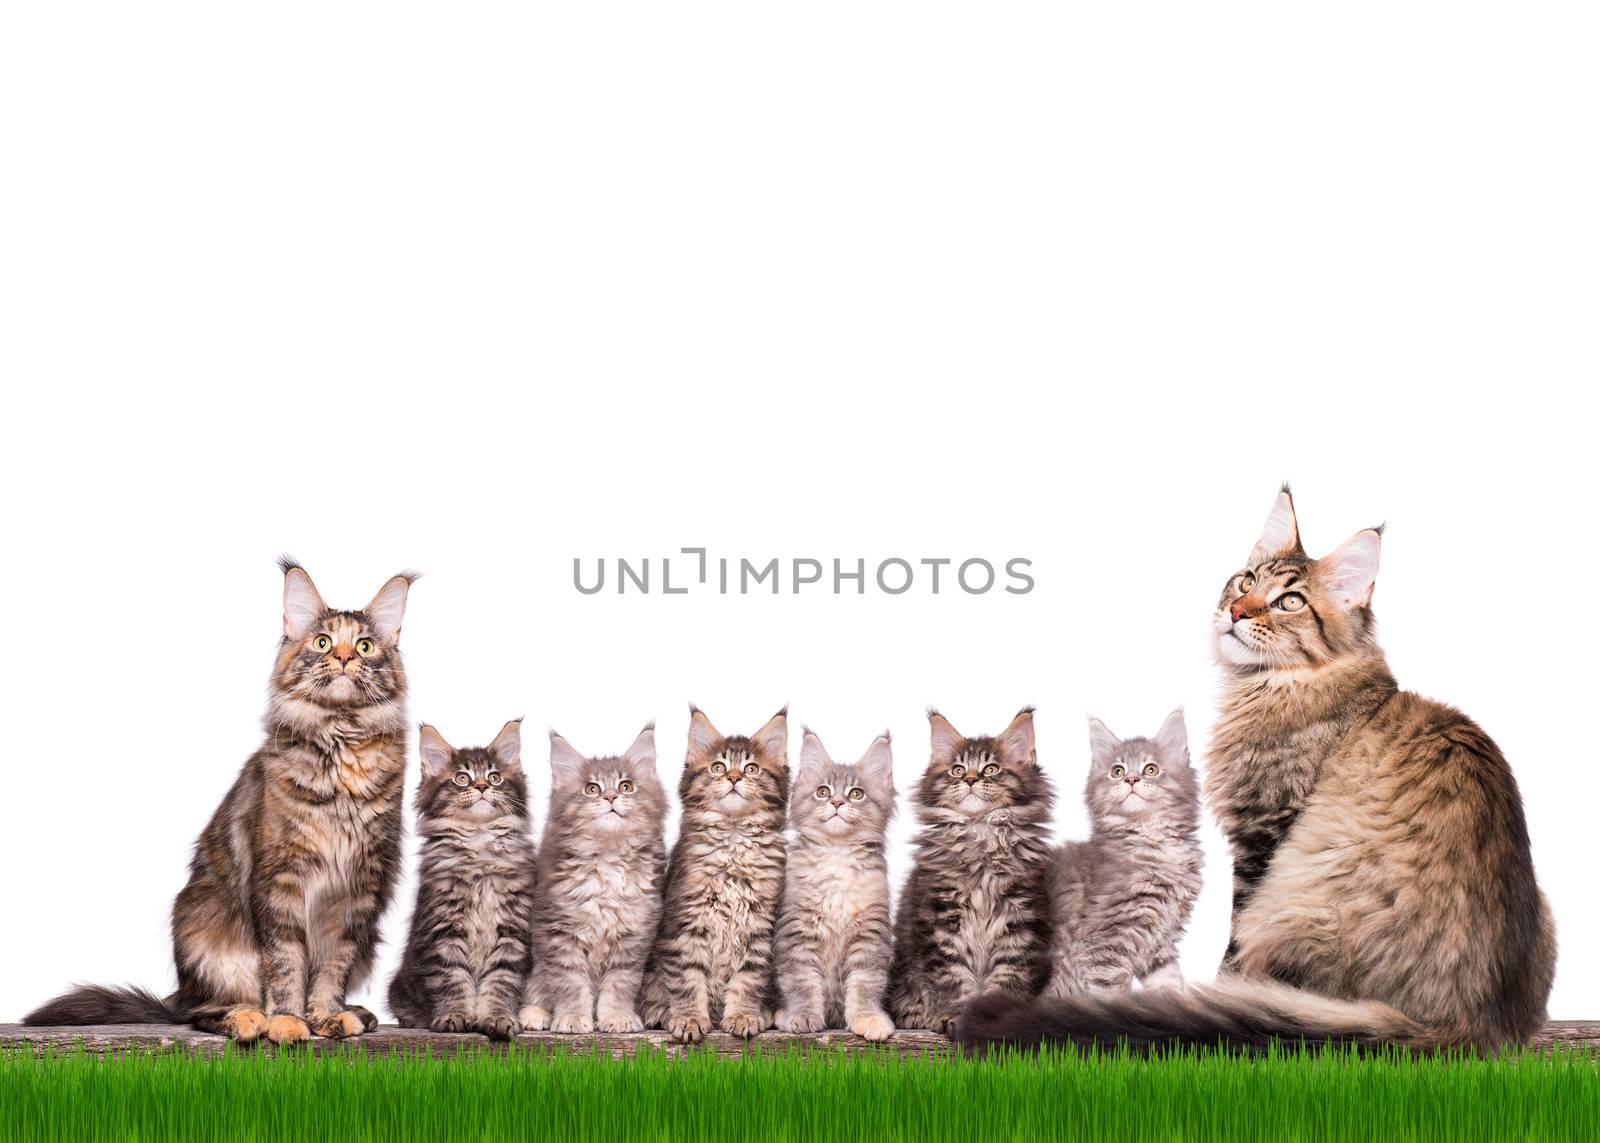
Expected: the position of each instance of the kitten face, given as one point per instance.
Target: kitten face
(1139, 777)
(475, 783)
(608, 796)
(975, 776)
(1286, 610)
(842, 803)
(733, 776)
(340, 658)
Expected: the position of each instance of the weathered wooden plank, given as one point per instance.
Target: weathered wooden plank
(390, 1039)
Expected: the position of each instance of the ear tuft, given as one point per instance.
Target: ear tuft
(703, 737)
(302, 602)
(507, 745)
(566, 764)
(388, 607)
(877, 764)
(1016, 741)
(1103, 744)
(1280, 535)
(643, 751)
(1352, 568)
(947, 740)
(773, 738)
(1172, 740)
(437, 754)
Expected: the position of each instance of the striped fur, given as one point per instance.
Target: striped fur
(467, 958)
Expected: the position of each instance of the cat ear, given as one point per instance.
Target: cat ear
(813, 756)
(772, 740)
(946, 738)
(507, 745)
(1280, 536)
(566, 764)
(703, 737)
(877, 764)
(302, 602)
(1172, 740)
(388, 608)
(1352, 569)
(437, 756)
(1102, 743)
(1016, 740)
(642, 754)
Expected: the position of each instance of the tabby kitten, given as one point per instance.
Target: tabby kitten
(834, 940)
(1120, 900)
(599, 896)
(711, 964)
(974, 914)
(467, 958)
(1383, 886)
(279, 919)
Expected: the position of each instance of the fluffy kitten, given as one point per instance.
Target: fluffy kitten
(711, 964)
(834, 940)
(599, 898)
(279, 918)
(974, 914)
(466, 961)
(1383, 886)
(1120, 900)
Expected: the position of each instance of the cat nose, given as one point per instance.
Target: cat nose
(344, 654)
(1132, 779)
(837, 802)
(480, 785)
(734, 776)
(611, 798)
(1238, 612)
(972, 781)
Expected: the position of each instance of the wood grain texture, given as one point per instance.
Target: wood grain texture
(389, 1039)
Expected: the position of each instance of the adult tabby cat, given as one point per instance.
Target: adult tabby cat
(280, 916)
(467, 958)
(974, 913)
(599, 897)
(1383, 886)
(1120, 900)
(712, 959)
(834, 940)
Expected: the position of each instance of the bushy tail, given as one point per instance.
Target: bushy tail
(97, 1004)
(1231, 1014)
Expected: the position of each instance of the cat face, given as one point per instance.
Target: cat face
(842, 803)
(340, 659)
(475, 783)
(975, 776)
(1286, 610)
(1140, 777)
(607, 797)
(736, 777)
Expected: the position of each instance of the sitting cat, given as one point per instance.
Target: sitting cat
(834, 940)
(279, 919)
(974, 913)
(1121, 899)
(711, 964)
(466, 961)
(601, 869)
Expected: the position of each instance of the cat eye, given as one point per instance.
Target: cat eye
(323, 643)
(990, 770)
(1246, 582)
(824, 792)
(958, 770)
(752, 769)
(592, 789)
(718, 768)
(1289, 601)
(463, 779)
(1151, 770)
(1119, 772)
(625, 786)
(365, 647)
(856, 793)
(494, 778)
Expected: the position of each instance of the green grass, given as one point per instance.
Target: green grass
(576, 1097)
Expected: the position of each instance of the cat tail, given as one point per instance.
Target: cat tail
(1237, 1015)
(99, 1004)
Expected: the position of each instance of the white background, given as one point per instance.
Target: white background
(478, 289)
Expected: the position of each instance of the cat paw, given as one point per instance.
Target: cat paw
(245, 1025)
(798, 1023)
(688, 1029)
(286, 1029)
(945, 1021)
(621, 1022)
(743, 1024)
(873, 1026)
(450, 1022)
(572, 1022)
(369, 1022)
(534, 1018)
(500, 1027)
(337, 1025)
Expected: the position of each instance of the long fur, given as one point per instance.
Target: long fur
(100, 1004)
